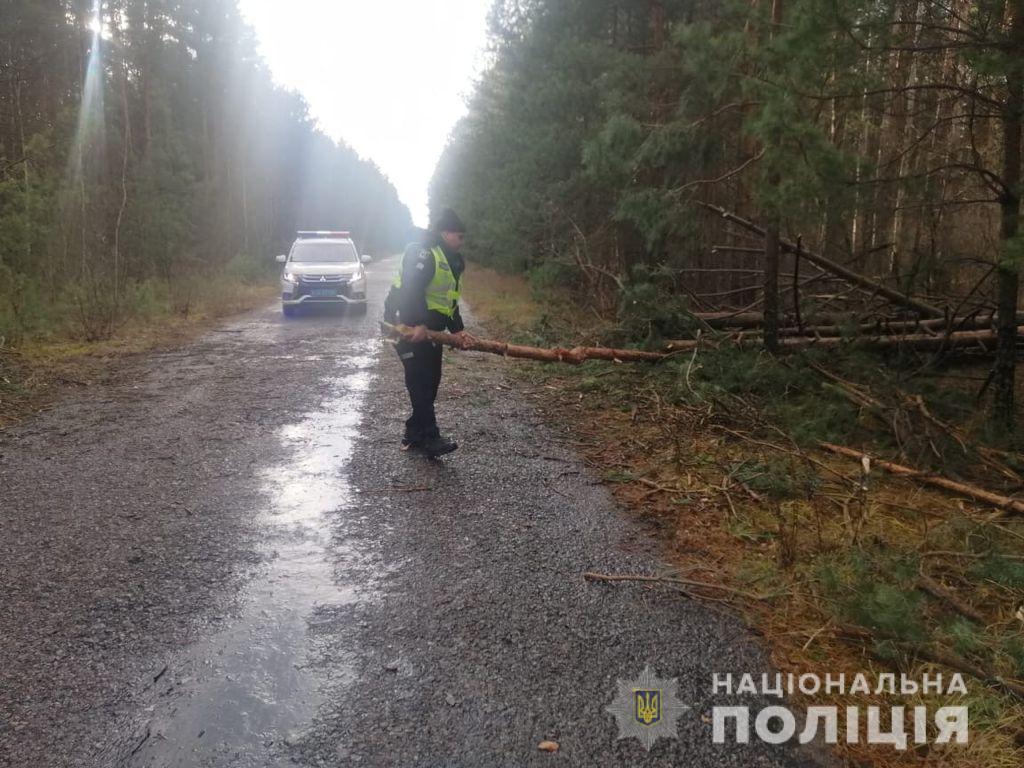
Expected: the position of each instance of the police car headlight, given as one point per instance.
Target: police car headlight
(358, 277)
(290, 278)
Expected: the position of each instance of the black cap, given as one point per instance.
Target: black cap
(448, 221)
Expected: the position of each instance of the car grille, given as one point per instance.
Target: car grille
(324, 278)
(333, 290)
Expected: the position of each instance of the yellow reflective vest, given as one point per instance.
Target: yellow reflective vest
(442, 293)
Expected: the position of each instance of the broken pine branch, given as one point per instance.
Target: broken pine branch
(939, 592)
(921, 307)
(573, 356)
(592, 576)
(938, 481)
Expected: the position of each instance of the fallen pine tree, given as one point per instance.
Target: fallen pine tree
(573, 356)
(837, 325)
(983, 339)
(730, 319)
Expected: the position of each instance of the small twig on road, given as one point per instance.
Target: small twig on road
(143, 740)
(552, 488)
(397, 488)
(541, 456)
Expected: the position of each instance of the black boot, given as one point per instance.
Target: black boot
(438, 446)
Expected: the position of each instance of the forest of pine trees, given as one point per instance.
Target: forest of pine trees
(144, 149)
(607, 137)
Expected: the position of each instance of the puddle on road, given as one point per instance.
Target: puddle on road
(247, 687)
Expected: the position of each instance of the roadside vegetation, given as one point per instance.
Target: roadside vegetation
(815, 206)
(718, 451)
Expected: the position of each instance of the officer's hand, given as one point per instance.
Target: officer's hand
(419, 333)
(463, 339)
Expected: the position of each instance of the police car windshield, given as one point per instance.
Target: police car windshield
(324, 251)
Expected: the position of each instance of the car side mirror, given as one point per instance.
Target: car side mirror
(281, 258)
(366, 258)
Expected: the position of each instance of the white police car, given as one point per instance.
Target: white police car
(323, 267)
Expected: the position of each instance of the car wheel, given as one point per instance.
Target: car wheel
(288, 311)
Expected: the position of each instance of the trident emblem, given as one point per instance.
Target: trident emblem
(647, 705)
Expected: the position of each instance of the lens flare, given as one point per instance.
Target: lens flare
(89, 135)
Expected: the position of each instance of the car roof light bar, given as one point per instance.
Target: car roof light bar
(322, 233)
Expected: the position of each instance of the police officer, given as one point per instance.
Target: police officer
(426, 295)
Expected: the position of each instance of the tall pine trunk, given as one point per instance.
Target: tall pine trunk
(771, 241)
(1008, 273)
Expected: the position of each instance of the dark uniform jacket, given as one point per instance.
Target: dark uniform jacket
(417, 272)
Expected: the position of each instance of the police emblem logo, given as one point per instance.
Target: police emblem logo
(647, 708)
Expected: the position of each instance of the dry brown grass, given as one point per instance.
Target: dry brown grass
(32, 373)
(674, 466)
(505, 300)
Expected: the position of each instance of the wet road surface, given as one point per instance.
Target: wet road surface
(220, 558)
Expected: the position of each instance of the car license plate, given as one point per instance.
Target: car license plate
(324, 292)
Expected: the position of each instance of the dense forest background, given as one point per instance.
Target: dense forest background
(883, 134)
(145, 153)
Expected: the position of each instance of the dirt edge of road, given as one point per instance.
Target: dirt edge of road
(34, 373)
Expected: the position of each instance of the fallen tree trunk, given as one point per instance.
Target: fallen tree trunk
(985, 339)
(887, 326)
(731, 319)
(938, 481)
(573, 356)
(831, 324)
(836, 325)
(741, 319)
(901, 299)
(919, 341)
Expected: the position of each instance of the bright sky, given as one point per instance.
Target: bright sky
(388, 77)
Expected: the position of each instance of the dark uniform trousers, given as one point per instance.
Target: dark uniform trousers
(422, 363)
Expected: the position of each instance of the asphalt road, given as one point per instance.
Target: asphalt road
(221, 558)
